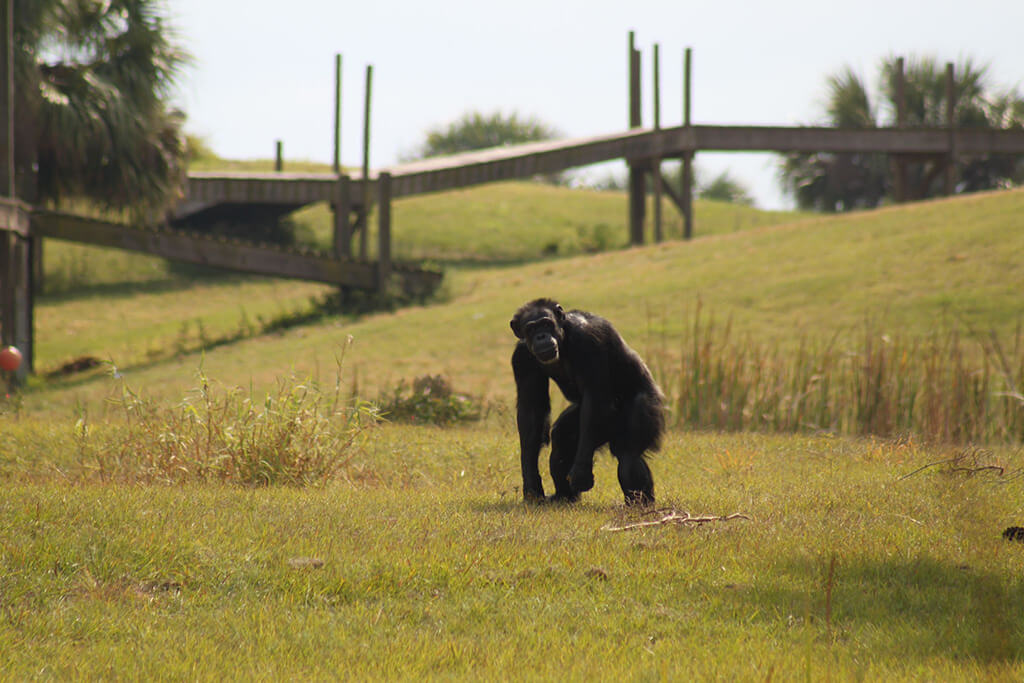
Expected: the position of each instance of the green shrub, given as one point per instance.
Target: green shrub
(430, 400)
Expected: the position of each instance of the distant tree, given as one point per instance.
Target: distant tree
(474, 130)
(722, 188)
(725, 188)
(837, 182)
(93, 79)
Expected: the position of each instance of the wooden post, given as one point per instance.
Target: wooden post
(337, 115)
(656, 163)
(342, 209)
(383, 231)
(898, 163)
(278, 156)
(634, 83)
(950, 185)
(15, 259)
(21, 279)
(686, 191)
(367, 198)
(7, 188)
(7, 237)
(7, 303)
(16, 283)
(637, 186)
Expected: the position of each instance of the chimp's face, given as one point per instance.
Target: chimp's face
(540, 328)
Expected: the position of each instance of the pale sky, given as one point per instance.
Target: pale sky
(264, 69)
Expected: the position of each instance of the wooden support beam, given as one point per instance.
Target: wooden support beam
(16, 291)
(383, 232)
(637, 186)
(656, 162)
(7, 140)
(7, 302)
(686, 195)
(342, 206)
(21, 279)
(686, 171)
(336, 166)
(951, 158)
(899, 190)
(667, 188)
(367, 198)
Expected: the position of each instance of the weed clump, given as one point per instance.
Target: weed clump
(298, 435)
(430, 400)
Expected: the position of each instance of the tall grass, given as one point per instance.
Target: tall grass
(298, 435)
(942, 387)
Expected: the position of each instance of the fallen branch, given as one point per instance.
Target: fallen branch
(672, 516)
(965, 461)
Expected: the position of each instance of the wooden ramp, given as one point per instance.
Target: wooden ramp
(218, 196)
(240, 255)
(227, 193)
(524, 161)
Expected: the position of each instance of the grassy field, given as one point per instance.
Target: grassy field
(904, 272)
(419, 561)
(411, 555)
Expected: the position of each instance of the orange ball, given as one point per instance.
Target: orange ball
(10, 358)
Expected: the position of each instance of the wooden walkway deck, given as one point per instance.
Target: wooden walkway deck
(206, 190)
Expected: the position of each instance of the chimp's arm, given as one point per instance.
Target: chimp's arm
(533, 417)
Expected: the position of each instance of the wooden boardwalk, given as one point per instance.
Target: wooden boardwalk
(206, 190)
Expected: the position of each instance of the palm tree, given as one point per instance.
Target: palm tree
(92, 82)
(836, 182)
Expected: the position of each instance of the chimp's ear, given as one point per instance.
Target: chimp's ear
(514, 324)
(559, 313)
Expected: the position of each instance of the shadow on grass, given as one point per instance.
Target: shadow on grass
(938, 609)
(178, 279)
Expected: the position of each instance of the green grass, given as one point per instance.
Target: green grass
(410, 555)
(515, 222)
(907, 271)
(421, 562)
(511, 222)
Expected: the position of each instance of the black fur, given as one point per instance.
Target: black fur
(614, 401)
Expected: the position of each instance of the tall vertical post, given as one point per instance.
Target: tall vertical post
(383, 231)
(278, 156)
(898, 163)
(15, 258)
(7, 237)
(367, 198)
(7, 99)
(656, 163)
(7, 301)
(637, 187)
(337, 115)
(686, 191)
(342, 208)
(950, 184)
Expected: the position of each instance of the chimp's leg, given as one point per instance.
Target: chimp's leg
(635, 479)
(638, 430)
(565, 435)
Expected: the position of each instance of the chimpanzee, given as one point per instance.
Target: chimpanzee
(614, 400)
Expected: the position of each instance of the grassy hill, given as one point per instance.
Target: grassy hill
(164, 542)
(908, 269)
